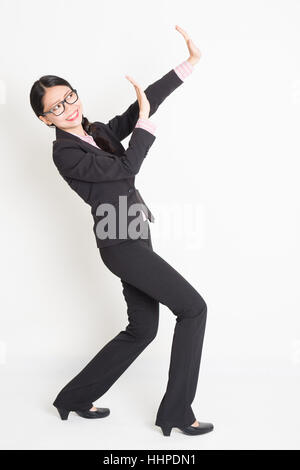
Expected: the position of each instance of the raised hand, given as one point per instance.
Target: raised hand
(144, 104)
(194, 51)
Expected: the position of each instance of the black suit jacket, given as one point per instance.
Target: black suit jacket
(101, 177)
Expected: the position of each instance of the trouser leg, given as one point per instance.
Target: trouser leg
(140, 266)
(116, 356)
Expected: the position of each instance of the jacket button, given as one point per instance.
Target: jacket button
(130, 190)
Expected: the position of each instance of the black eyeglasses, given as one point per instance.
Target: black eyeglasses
(59, 108)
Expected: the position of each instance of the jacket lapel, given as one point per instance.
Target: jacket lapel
(61, 134)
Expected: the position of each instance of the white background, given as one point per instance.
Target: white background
(228, 147)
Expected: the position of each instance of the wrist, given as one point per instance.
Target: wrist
(146, 124)
(192, 60)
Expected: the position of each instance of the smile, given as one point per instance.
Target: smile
(73, 116)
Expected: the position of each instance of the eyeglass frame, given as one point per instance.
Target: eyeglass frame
(63, 103)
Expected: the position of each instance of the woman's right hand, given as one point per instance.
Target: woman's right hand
(142, 99)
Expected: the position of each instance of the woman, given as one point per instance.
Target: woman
(92, 160)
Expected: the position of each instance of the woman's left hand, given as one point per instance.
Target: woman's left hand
(195, 53)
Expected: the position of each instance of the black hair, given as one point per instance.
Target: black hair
(37, 93)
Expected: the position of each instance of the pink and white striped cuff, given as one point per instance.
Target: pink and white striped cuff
(184, 69)
(147, 125)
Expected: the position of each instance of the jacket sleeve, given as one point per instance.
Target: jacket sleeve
(122, 125)
(73, 162)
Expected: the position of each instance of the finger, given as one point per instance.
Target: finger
(138, 92)
(183, 32)
(138, 89)
(131, 79)
(135, 84)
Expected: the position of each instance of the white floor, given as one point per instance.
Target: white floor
(253, 407)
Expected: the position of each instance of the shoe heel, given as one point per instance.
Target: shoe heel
(63, 413)
(166, 430)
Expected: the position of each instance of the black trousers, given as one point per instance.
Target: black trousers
(147, 280)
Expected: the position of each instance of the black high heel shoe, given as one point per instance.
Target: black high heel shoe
(99, 413)
(202, 428)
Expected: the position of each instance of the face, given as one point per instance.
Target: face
(71, 118)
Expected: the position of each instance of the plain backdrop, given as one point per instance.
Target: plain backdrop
(226, 153)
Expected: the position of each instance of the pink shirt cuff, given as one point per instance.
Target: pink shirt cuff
(147, 125)
(184, 69)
